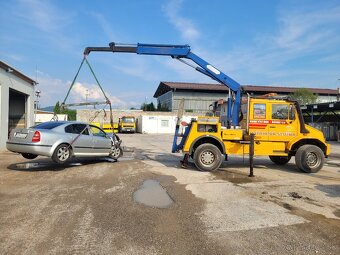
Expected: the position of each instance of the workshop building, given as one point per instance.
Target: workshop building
(16, 101)
(198, 97)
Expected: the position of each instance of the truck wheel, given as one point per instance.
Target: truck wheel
(207, 157)
(280, 160)
(29, 155)
(62, 154)
(309, 158)
(117, 152)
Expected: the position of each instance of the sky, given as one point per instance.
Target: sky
(269, 43)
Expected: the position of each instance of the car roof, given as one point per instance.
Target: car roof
(67, 122)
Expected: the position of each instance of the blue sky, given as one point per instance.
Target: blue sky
(270, 43)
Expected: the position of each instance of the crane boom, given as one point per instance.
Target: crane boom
(180, 52)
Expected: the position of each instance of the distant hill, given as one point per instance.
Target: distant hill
(48, 108)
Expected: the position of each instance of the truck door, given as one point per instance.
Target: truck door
(283, 125)
(258, 120)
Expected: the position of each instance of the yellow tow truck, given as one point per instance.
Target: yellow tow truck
(280, 133)
(277, 124)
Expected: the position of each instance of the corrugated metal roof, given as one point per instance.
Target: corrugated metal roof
(171, 86)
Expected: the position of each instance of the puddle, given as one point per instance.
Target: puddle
(152, 194)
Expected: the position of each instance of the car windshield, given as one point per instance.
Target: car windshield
(48, 125)
(128, 119)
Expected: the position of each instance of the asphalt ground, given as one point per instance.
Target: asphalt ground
(88, 206)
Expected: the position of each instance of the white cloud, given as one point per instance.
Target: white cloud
(53, 90)
(92, 93)
(184, 25)
(308, 37)
(300, 30)
(42, 15)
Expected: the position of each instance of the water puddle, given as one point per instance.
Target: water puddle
(152, 194)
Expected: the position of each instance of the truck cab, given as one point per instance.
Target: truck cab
(127, 124)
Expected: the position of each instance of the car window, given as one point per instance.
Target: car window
(77, 129)
(48, 125)
(96, 131)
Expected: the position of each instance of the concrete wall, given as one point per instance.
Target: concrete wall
(9, 81)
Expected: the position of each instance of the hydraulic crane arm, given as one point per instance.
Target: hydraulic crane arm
(183, 52)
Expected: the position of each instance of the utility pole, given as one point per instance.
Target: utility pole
(86, 95)
(338, 95)
(36, 104)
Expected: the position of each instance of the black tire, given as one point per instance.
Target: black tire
(280, 160)
(207, 157)
(116, 153)
(309, 158)
(62, 154)
(29, 155)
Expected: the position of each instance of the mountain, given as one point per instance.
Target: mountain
(48, 108)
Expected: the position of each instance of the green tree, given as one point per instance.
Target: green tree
(71, 114)
(56, 109)
(148, 107)
(304, 96)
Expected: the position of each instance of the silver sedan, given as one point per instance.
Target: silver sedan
(62, 140)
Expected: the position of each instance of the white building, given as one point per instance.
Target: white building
(159, 124)
(16, 101)
(43, 116)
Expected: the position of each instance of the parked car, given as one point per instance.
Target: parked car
(62, 140)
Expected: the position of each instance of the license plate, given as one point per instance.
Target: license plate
(20, 135)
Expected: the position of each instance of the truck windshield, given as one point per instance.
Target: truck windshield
(128, 119)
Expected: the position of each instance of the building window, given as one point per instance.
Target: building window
(164, 123)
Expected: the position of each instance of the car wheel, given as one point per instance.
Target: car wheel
(29, 155)
(207, 157)
(116, 153)
(62, 154)
(280, 160)
(309, 158)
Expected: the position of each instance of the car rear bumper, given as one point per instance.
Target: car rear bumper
(37, 149)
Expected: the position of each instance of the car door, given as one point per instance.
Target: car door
(101, 142)
(80, 138)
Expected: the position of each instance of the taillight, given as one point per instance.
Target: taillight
(36, 137)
